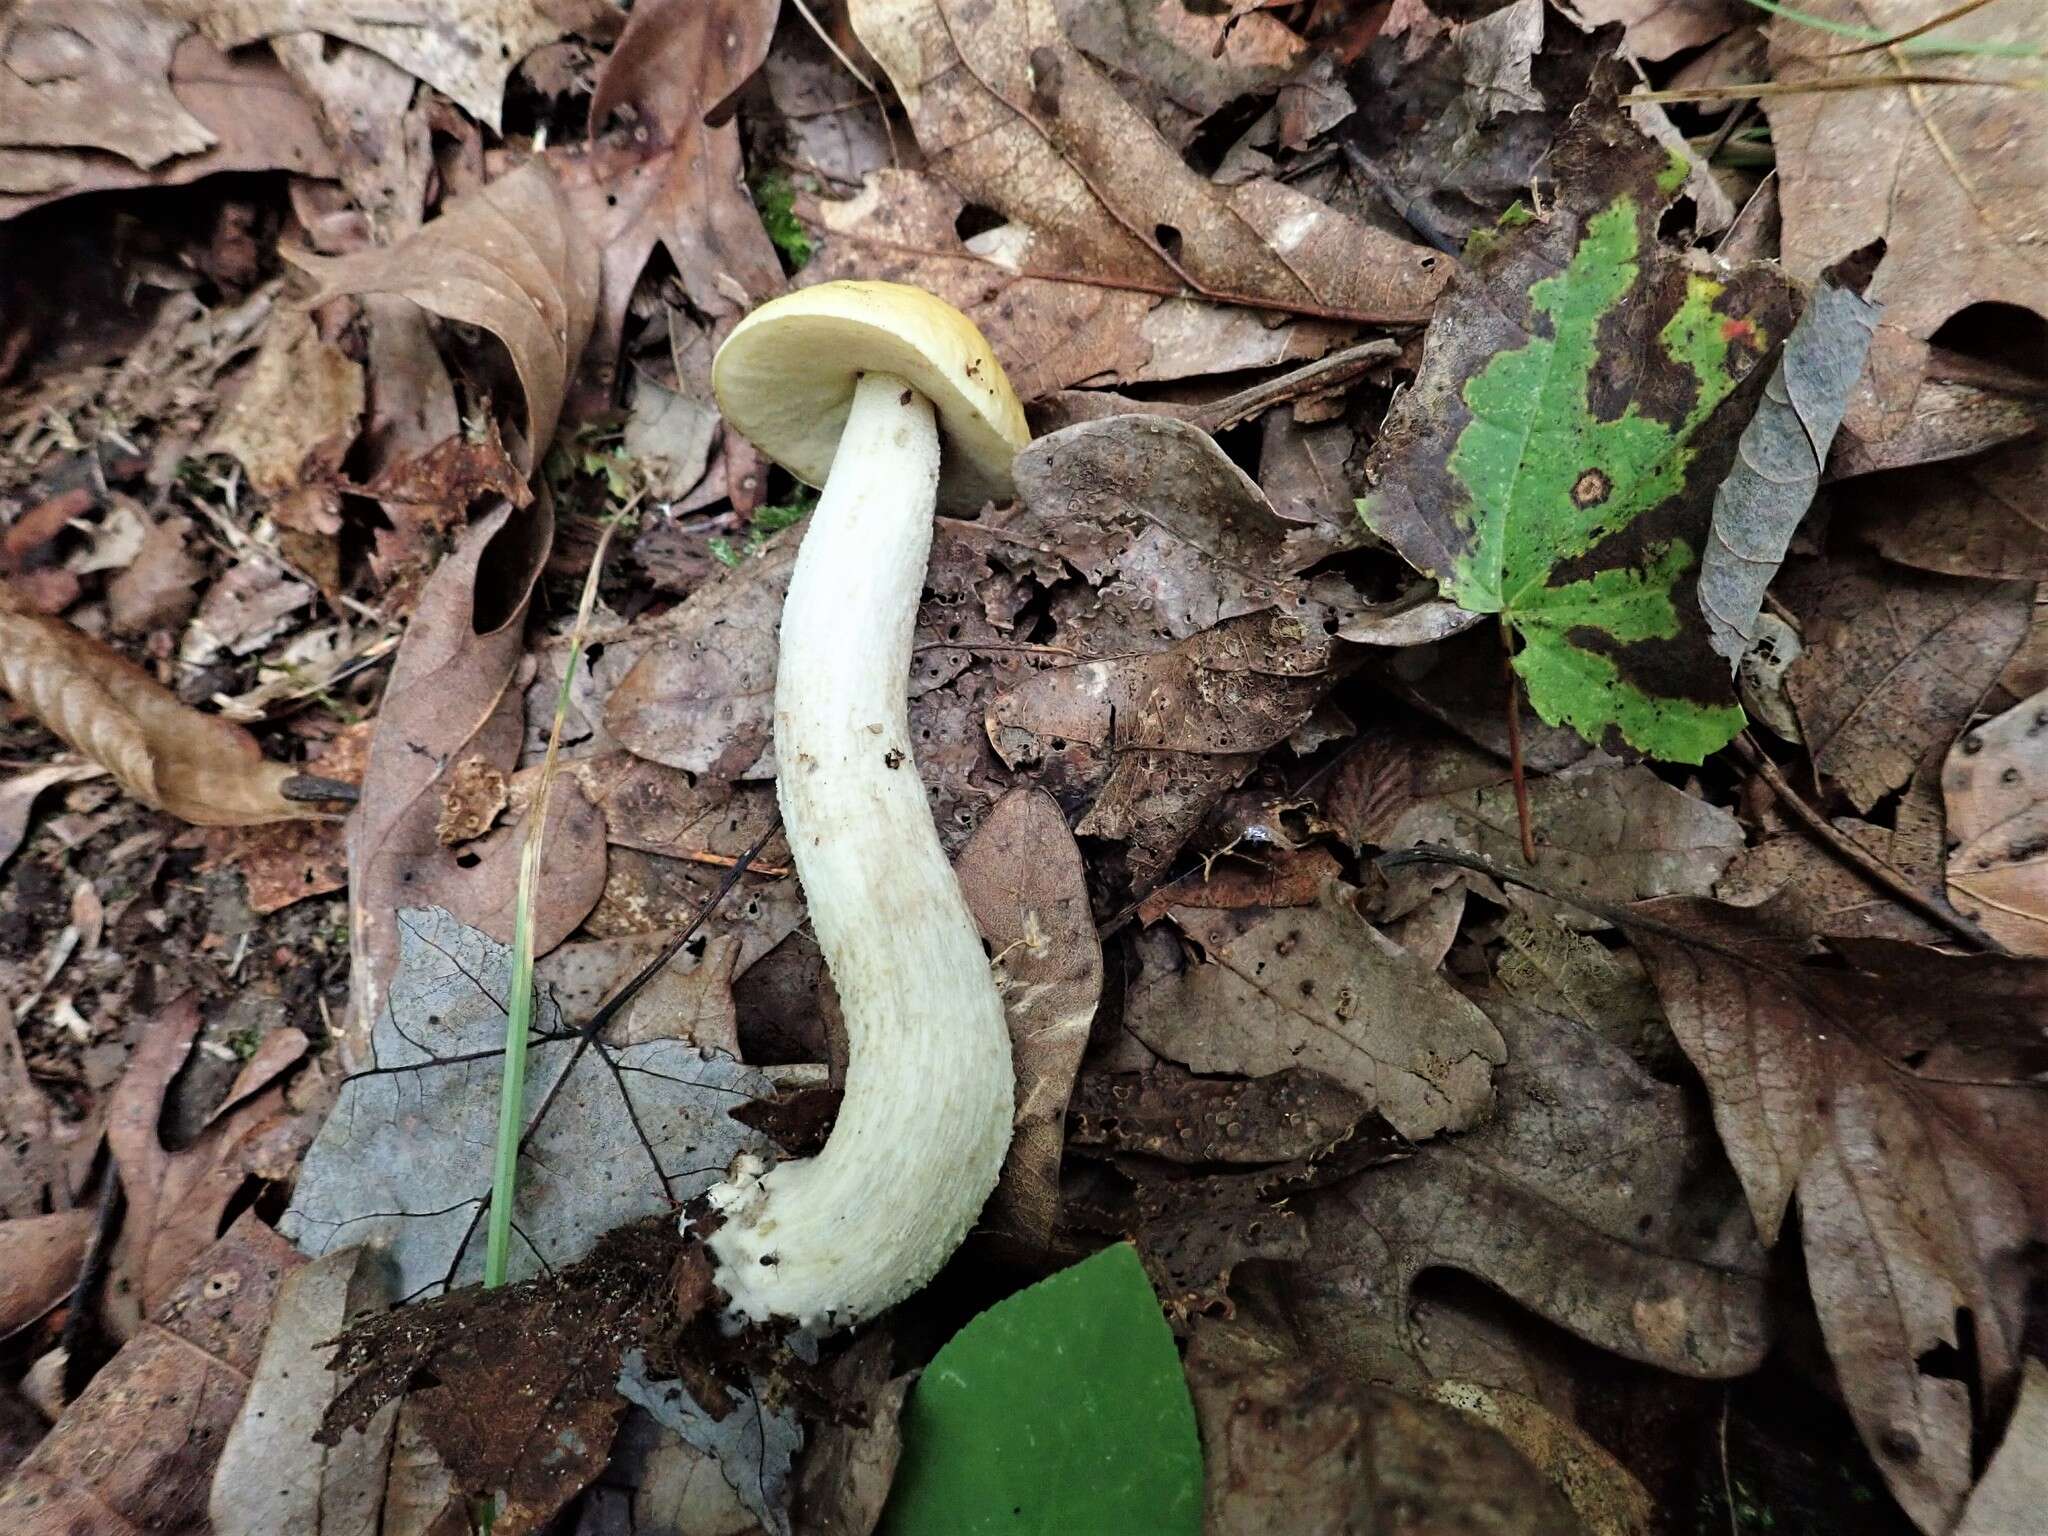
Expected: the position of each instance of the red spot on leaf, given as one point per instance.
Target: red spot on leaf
(1737, 330)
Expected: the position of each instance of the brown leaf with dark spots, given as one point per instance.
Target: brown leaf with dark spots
(1318, 987)
(176, 1198)
(136, 1451)
(1170, 1113)
(166, 754)
(1026, 885)
(1996, 790)
(511, 259)
(1895, 1089)
(1596, 1197)
(1895, 661)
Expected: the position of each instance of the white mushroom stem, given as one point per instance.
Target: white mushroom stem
(926, 1119)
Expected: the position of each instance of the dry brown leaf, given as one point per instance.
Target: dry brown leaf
(1595, 1196)
(241, 103)
(1895, 661)
(136, 1451)
(1982, 517)
(1293, 1446)
(2014, 1489)
(1946, 177)
(166, 754)
(1019, 119)
(509, 258)
(1279, 877)
(161, 585)
(1656, 29)
(376, 122)
(466, 49)
(1167, 1112)
(1025, 883)
(1894, 1090)
(847, 1468)
(451, 698)
(1157, 738)
(175, 1199)
(1996, 789)
(295, 413)
(44, 1158)
(676, 179)
(91, 74)
(1318, 987)
(39, 1264)
(19, 793)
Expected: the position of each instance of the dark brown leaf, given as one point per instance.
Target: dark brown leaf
(1170, 1113)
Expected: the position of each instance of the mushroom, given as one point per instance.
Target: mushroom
(851, 386)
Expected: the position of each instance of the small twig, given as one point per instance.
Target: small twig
(1727, 1482)
(1847, 849)
(1409, 208)
(1758, 88)
(1515, 769)
(1315, 378)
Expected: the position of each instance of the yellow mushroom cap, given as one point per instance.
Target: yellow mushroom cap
(785, 379)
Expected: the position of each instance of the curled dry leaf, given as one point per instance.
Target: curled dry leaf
(136, 1451)
(1019, 119)
(1996, 790)
(1895, 1091)
(166, 754)
(509, 258)
(1026, 885)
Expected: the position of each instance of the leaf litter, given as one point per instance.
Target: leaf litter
(1446, 1157)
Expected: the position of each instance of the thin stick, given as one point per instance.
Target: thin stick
(519, 1002)
(1847, 849)
(1521, 779)
(1757, 88)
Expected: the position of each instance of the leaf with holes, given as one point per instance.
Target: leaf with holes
(1579, 399)
(404, 1161)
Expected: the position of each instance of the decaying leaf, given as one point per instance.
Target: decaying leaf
(84, 74)
(1170, 1113)
(1158, 737)
(514, 1388)
(1895, 661)
(39, 1264)
(1942, 176)
(274, 1475)
(1318, 987)
(1296, 1446)
(628, 1132)
(38, 1146)
(1892, 1090)
(1596, 1197)
(509, 258)
(136, 1451)
(1025, 883)
(1778, 462)
(1017, 118)
(163, 752)
(296, 412)
(1979, 517)
(1580, 396)
(1996, 790)
(754, 1442)
(2014, 1489)
(176, 1199)
(847, 1468)
(19, 793)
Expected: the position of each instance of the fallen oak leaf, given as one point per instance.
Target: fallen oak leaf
(1580, 394)
(67, 62)
(509, 258)
(166, 754)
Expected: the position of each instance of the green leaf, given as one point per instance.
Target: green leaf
(1060, 1409)
(1579, 398)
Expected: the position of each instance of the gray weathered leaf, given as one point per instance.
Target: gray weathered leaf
(754, 1445)
(1778, 461)
(404, 1161)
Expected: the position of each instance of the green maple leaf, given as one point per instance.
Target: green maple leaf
(1578, 400)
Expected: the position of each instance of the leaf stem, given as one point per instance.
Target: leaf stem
(1521, 779)
(519, 1002)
